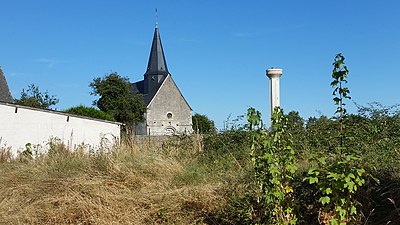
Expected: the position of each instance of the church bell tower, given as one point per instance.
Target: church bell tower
(156, 68)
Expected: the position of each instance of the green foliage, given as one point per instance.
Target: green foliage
(321, 134)
(339, 75)
(338, 177)
(203, 125)
(33, 97)
(274, 163)
(27, 153)
(117, 99)
(377, 111)
(82, 110)
(342, 173)
(226, 150)
(375, 135)
(295, 122)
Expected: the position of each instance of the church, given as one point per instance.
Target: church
(5, 95)
(167, 111)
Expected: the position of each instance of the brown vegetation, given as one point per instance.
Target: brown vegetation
(139, 183)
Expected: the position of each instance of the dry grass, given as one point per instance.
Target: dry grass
(137, 184)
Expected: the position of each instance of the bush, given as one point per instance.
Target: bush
(82, 110)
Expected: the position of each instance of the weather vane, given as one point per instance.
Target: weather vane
(156, 17)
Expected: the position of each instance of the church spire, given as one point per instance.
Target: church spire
(5, 95)
(157, 64)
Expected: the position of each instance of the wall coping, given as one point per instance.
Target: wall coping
(59, 113)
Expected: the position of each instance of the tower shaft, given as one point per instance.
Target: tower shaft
(274, 75)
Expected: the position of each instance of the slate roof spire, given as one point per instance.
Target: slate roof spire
(157, 64)
(5, 95)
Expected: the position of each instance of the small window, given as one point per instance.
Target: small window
(169, 115)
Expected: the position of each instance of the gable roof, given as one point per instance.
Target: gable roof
(157, 64)
(165, 80)
(5, 95)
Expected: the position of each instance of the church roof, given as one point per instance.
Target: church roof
(138, 87)
(5, 95)
(156, 71)
(157, 64)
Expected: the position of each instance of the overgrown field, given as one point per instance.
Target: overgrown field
(193, 180)
(169, 181)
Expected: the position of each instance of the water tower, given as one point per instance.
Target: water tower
(274, 75)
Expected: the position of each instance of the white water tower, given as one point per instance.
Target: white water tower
(274, 75)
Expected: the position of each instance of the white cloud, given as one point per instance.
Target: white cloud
(49, 62)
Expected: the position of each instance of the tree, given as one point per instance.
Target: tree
(118, 100)
(295, 122)
(202, 124)
(34, 98)
(82, 110)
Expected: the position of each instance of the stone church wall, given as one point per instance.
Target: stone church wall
(20, 125)
(168, 113)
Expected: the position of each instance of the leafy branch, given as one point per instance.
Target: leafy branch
(338, 176)
(274, 163)
(339, 75)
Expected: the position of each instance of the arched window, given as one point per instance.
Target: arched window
(169, 131)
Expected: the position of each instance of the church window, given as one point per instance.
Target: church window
(169, 115)
(170, 131)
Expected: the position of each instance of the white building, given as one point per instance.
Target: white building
(20, 125)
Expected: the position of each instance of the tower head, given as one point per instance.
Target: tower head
(274, 72)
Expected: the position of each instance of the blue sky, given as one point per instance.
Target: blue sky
(217, 51)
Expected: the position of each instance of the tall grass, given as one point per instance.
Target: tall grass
(177, 180)
(145, 182)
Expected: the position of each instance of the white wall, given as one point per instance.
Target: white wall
(20, 125)
(169, 99)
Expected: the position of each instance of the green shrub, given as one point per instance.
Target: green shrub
(82, 110)
(274, 162)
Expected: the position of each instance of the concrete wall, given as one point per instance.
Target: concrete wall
(168, 112)
(20, 125)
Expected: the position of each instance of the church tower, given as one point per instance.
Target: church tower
(167, 111)
(5, 95)
(157, 69)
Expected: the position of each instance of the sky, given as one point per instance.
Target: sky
(216, 51)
